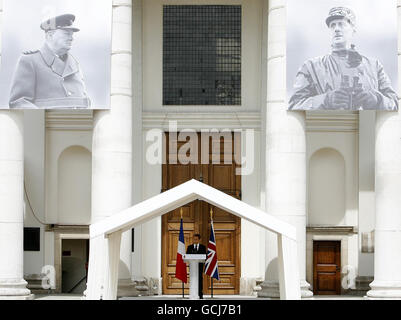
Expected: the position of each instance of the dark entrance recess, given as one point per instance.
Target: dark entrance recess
(31, 239)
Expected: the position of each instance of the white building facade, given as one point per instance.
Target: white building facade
(335, 176)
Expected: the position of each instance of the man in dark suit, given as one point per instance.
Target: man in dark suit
(198, 248)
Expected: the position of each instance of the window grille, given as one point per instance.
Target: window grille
(201, 55)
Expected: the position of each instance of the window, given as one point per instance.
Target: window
(201, 55)
(31, 239)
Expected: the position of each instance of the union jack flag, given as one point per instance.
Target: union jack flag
(211, 264)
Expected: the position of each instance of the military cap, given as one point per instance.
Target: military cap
(341, 12)
(64, 22)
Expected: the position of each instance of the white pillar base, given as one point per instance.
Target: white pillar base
(14, 290)
(270, 289)
(388, 290)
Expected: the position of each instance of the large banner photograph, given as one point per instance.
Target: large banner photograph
(342, 55)
(55, 54)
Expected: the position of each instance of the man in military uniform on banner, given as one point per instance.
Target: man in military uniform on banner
(344, 79)
(50, 77)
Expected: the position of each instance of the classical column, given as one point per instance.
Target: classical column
(285, 155)
(387, 265)
(12, 283)
(112, 134)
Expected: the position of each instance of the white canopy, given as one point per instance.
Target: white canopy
(105, 236)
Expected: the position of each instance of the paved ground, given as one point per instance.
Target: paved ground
(337, 298)
(79, 297)
(57, 297)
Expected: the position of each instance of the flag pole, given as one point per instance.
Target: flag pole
(211, 222)
(182, 282)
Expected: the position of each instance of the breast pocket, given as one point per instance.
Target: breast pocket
(74, 86)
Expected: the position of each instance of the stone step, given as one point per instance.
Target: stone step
(133, 288)
(37, 281)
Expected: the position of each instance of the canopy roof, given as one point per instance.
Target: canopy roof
(181, 195)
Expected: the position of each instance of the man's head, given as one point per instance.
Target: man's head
(60, 41)
(341, 23)
(59, 32)
(197, 238)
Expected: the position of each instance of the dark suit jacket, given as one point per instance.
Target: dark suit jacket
(191, 249)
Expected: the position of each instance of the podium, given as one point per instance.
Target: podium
(194, 260)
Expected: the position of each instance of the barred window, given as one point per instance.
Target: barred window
(201, 55)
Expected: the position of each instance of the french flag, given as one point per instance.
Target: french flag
(181, 267)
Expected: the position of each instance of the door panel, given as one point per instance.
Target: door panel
(221, 177)
(326, 267)
(196, 215)
(179, 174)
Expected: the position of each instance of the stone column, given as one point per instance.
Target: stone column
(12, 283)
(387, 265)
(112, 134)
(285, 155)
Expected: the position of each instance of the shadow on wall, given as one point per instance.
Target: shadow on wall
(327, 188)
(123, 269)
(272, 268)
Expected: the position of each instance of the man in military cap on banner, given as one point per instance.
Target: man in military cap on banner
(50, 77)
(343, 79)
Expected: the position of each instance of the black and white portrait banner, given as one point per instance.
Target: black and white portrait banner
(342, 55)
(56, 54)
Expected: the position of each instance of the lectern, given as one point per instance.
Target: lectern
(194, 260)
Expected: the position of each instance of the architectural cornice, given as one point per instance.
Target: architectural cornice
(196, 121)
(68, 120)
(330, 121)
(332, 229)
(67, 228)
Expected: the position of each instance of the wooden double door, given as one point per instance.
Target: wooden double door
(196, 215)
(326, 267)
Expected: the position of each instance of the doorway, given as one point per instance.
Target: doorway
(219, 171)
(74, 264)
(326, 267)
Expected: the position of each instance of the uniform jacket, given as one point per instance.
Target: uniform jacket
(43, 80)
(320, 75)
(191, 249)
